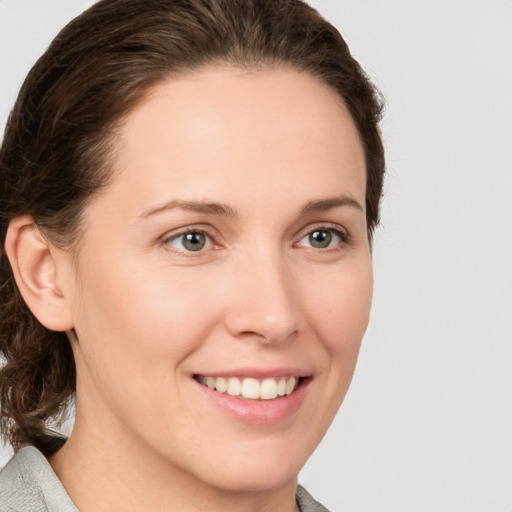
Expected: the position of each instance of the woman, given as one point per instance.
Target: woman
(189, 191)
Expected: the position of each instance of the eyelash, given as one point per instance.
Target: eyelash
(176, 236)
(343, 239)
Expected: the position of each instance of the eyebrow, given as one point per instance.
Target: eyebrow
(333, 202)
(191, 206)
(222, 209)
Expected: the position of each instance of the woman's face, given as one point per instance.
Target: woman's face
(230, 250)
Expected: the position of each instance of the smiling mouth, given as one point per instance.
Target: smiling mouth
(249, 388)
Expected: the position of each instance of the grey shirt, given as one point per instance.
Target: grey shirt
(28, 484)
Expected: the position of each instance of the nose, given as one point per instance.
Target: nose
(262, 301)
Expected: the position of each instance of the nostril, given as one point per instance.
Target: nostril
(264, 306)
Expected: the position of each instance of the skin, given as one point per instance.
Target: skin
(148, 315)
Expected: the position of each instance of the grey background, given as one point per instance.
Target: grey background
(427, 424)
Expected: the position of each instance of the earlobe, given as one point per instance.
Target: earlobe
(36, 271)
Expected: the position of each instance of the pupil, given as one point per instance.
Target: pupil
(194, 241)
(320, 239)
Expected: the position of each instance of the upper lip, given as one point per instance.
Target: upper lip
(258, 373)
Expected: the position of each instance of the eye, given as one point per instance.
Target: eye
(323, 238)
(191, 241)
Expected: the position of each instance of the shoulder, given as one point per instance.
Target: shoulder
(28, 482)
(17, 489)
(307, 503)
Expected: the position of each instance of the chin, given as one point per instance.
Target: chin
(256, 477)
(259, 469)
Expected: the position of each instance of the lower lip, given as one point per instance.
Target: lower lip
(260, 412)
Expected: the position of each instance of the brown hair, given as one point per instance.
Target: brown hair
(56, 146)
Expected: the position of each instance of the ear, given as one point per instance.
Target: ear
(35, 265)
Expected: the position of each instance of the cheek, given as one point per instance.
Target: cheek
(339, 307)
(149, 315)
(135, 328)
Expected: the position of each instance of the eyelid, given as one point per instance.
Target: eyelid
(325, 226)
(165, 240)
(174, 234)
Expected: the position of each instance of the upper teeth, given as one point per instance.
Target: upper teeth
(266, 389)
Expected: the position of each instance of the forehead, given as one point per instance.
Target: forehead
(250, 127)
